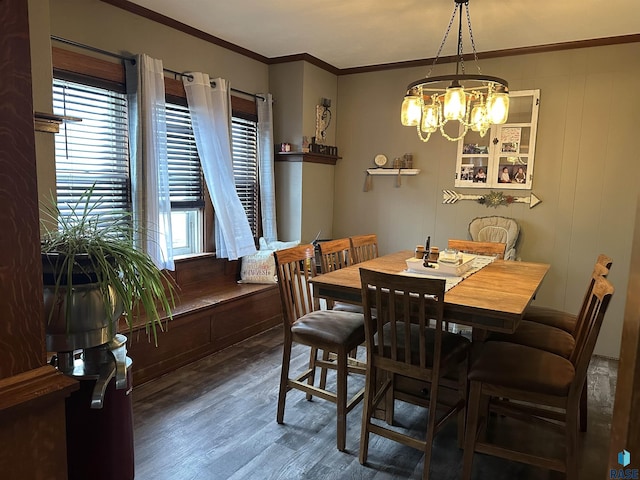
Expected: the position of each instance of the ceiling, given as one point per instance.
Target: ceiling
(354, 33)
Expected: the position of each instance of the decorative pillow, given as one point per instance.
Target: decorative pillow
(276, 245)
(259, 267)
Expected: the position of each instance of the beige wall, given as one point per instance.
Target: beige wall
(288, 179)
(304, 191)
(286, 82)
(317, 203)
(584, 170)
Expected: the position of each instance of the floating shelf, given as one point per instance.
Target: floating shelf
(307, 157)
(393, 171)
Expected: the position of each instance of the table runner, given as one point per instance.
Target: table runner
(478, 263)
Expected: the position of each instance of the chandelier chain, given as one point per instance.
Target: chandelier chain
(444, 40)
(473, 43)
(461, 45)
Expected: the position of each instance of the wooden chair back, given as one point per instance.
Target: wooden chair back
(590, 323)
(599, 270)
(364, 247)
(604, 260)
(335, 254)
(403, 347)
(295, 267)
(393, 306)
(479, 248)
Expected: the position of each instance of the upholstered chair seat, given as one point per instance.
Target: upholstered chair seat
(539, 336)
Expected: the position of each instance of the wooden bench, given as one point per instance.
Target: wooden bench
(212, 312)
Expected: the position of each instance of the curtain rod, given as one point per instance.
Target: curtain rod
(124, 57)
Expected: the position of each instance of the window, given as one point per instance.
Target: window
(504, 157)
(94, 150)
(244, 141)
(185, 182)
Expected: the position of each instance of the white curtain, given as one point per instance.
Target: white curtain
(265, 167)
(210, 109)
(149, 163)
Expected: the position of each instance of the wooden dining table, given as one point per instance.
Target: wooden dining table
(492, 299)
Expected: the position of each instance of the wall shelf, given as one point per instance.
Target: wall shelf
(306, 157)
(393, 171)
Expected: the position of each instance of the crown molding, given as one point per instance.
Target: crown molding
(552, 47)
(183, 27)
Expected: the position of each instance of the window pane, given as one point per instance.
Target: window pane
(245, 167)
(185, 182)
(186, 227)
(94, 150)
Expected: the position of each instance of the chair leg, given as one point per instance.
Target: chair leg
(473, 409)
(341, 400)
(463, 390)
(572, 465)
(323, 370)
(389, 399)
(354, 353)
(431, 429)
(367, 412)
(583, 407)
(284, 380)
(313, 356)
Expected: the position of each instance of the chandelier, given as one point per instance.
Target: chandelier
(476, 101)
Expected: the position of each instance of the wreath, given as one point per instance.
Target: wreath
(494, 199)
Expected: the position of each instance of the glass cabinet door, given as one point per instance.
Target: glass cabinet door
(504, 157)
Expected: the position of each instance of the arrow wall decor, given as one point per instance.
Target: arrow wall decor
(491, 199)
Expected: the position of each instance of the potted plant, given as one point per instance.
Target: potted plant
(93, 275)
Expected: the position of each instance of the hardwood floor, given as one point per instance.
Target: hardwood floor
(216, 419)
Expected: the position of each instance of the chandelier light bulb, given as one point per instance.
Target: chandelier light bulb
(455, 102)
(429, 118)
(411, 110)
(479, 121)
(498, 107)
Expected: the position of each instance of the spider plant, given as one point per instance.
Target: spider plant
(89, 246)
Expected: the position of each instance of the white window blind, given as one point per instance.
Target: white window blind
(94, 150)
(185, 175)
(244, 140)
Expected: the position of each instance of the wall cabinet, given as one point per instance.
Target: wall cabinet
(504, 157)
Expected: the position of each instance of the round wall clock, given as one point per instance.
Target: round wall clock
(380, 160)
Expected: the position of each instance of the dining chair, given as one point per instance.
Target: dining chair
(536, 386)
(548, 337)
(555, 331)
(558, 318)
(335, 255)
(364, 247)
(478, 248)
(402, 345)
(337, 332)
